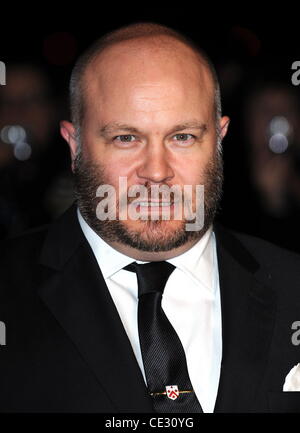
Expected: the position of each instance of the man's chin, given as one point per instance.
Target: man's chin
(151, 229)
(155, 236)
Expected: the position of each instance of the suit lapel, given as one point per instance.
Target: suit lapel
(78, 297)
(248, 314)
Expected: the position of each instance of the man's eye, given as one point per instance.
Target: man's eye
(125, 138)
(183, 137)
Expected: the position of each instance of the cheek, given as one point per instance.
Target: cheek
(193, 177)
(115, 170)
(191, 171)
(99, 153)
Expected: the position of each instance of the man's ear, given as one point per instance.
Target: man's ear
(224, 123)
(68, 132)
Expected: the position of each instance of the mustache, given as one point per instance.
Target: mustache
(147, 196)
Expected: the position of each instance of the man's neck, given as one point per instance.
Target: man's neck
(147, 256)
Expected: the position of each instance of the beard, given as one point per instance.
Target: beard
(148, 235)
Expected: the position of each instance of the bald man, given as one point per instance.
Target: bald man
(146, 149)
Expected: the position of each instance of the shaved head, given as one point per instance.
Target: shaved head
(149, 38)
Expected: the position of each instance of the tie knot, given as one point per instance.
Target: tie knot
(152, 277)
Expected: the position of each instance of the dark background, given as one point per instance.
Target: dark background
(250, 50)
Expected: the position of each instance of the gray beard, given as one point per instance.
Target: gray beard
(88, 177)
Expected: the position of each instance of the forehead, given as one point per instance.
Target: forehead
(147, 75)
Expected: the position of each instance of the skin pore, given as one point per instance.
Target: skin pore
(150, 117)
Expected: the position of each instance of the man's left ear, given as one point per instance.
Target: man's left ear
(224, 123)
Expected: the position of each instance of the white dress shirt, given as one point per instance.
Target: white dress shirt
(191, 301)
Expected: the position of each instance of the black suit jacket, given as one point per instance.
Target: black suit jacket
(67, 351)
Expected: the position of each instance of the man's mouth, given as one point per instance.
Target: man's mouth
(154, 203)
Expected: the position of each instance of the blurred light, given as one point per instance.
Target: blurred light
(278, 143)
(279, 125)
(16, 136)
(4, 134)
(16, 133)
(22, 151)
(11, 134)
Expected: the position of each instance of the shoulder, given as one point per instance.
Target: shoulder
(268, 253)
(28, 246)
(24, 247)
(276, 267)
(27, 258)
(19, 262)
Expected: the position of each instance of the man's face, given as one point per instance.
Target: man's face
(149, 117)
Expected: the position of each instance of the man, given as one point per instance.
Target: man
(83, 332)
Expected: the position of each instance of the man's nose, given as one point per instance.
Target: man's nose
(155, 166)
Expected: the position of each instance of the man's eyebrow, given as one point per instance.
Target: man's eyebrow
(190, 125)
(115, 126)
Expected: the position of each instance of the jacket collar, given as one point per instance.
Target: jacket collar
(248, 318)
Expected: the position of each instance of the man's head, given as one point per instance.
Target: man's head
(145, 106)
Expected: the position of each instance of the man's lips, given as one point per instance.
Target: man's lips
(154, 203)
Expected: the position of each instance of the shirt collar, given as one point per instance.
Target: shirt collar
(197, 262)
(110, 260)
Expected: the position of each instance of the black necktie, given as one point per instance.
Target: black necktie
(164, 359)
